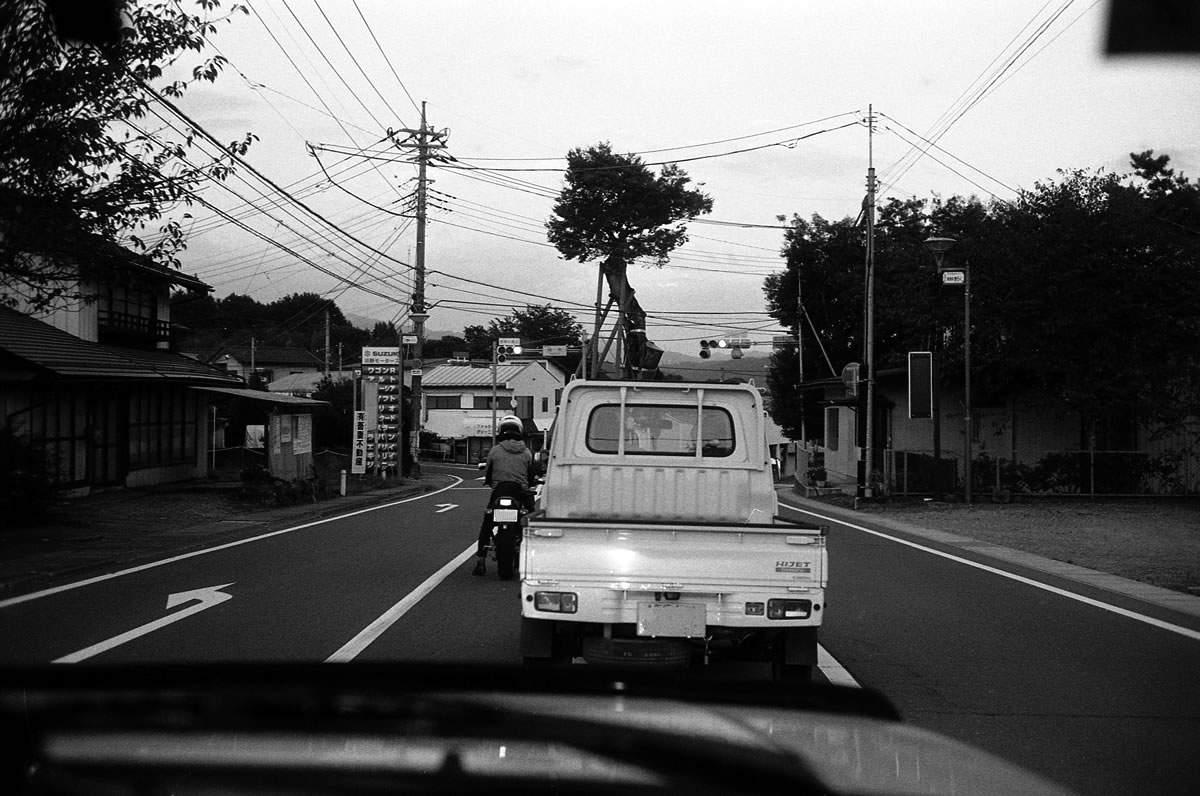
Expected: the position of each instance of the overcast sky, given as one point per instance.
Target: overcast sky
(1011, 91)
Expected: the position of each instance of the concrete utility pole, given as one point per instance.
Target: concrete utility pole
(868, 490)
(425, 141)
(800, 356)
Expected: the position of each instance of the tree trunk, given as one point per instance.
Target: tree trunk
(636, 364)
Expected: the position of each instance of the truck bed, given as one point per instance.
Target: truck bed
(669, 556)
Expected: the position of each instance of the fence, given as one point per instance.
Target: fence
(1062, 472)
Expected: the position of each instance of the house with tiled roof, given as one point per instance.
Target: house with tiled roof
(92, 381)
(270, 363)
(462, 403)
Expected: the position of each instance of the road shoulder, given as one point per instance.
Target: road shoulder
(1167, 599)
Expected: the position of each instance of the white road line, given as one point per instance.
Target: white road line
(352, 648)
(1149, 620)
(100, 578)
(834, 672)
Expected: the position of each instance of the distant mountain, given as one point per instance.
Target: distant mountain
(363, 322)
(720, 365)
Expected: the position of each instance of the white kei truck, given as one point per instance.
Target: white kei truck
(656, 541)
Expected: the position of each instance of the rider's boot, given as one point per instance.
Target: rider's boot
(480, 567)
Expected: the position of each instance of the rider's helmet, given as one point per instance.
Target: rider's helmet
(511, 427)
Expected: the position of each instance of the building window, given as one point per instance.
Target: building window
(485, 402)
(443, 402)
(125, 311)
(58, 423)
(162, 427)
(831, 428)
(545, 404)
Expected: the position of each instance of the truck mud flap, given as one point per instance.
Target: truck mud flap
(537, 638)
(799, 646)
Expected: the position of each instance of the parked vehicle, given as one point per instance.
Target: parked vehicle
(657, 540)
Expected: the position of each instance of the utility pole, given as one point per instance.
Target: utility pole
(800, 357)
(326, 341)
(424, 140)
(868, 491)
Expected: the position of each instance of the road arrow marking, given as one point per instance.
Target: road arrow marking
(444, 507)
(204, 598)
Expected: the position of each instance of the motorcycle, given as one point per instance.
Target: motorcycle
(505, 517)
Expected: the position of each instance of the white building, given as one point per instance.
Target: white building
(460, 403)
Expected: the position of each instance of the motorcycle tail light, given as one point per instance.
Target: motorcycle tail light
(789, 609)
(560, 602)
(505, 515)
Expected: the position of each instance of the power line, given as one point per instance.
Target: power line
(972, 95)
(242, 162)
(383, 52)
(336, 72)
(362, 71)
(694, 146)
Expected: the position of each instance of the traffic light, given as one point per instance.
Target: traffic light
(503, 352)
(704, 352)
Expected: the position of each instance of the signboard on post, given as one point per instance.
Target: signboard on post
(920, 385)
(358, 453)
(380, 356)
(954, 277)
(554, 350)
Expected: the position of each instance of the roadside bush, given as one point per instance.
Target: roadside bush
(27, 483)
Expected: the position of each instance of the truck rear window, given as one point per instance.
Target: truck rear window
(647, 429)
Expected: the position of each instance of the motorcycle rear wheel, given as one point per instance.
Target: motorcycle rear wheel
(506, 554)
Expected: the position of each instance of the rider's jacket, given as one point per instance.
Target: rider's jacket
(510, 461)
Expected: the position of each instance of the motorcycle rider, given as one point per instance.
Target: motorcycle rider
(511, 471)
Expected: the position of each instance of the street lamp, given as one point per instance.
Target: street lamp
(958, 276)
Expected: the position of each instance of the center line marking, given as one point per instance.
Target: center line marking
(367, 636)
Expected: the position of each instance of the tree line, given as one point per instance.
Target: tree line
(207, 325)
(1085, 296)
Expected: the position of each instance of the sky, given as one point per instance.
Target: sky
(762, 103)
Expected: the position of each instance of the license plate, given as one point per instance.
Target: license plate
(681, 620)
(505, 515)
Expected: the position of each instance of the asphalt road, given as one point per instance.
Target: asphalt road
(1094, 691)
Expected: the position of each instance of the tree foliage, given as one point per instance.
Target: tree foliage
(1085, 295)
(76, 162)
(294, 321)
(536, 325)
(612, 208)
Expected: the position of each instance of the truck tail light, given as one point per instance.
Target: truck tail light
(789, 609)
(559, 602)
